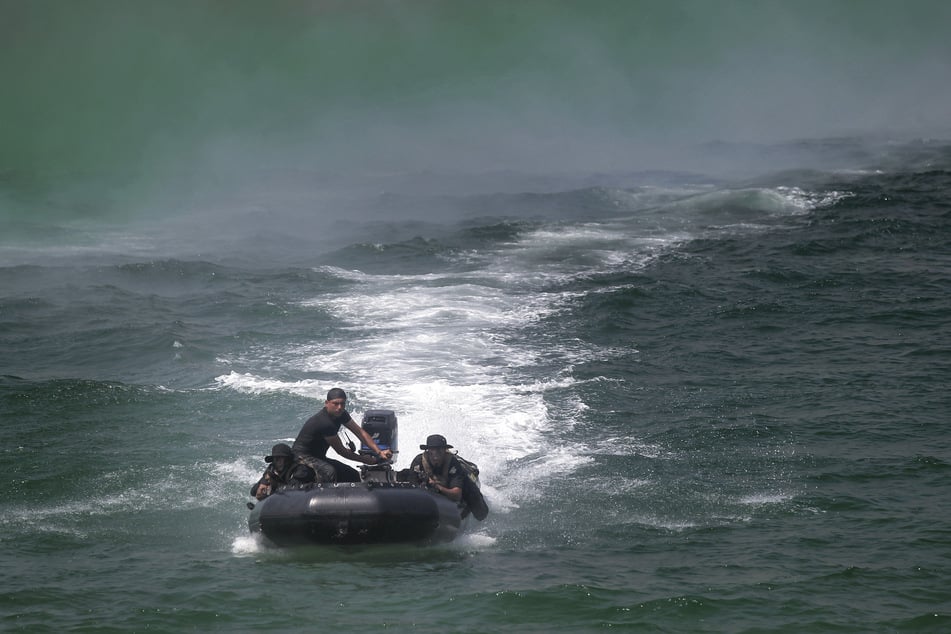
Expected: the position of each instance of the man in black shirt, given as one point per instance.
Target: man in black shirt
(319, 434)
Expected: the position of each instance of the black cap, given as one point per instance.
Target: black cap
(435, 441)
(279, 450)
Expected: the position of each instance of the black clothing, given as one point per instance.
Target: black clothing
(436, 441)
(311, 447)
(330, 470)
(450, 475)
(279, 450)
(294, 473)
(311, 440)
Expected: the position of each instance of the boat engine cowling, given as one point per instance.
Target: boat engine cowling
(382, 427)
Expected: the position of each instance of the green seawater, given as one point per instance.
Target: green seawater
(674, 275)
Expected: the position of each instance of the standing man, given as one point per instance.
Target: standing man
(319, 434)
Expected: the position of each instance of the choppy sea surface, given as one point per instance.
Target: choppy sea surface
(699, 403)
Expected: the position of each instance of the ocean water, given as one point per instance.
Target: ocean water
(707, 389)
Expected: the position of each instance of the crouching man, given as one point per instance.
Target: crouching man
(282, 471)
(439, 469)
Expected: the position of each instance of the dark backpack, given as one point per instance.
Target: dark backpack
(471, 493)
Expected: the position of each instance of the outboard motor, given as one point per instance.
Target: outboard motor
(382, 427)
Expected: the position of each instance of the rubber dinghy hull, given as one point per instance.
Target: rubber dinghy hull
(356, 513)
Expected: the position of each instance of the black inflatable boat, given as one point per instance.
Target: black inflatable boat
(381, 509)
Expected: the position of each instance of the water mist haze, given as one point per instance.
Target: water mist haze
(135, 109)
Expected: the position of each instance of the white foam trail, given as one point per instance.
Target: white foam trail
(474, 541)
(443, 349)
(251, 384)
(762, 499)
(807, 201)
(247, 544)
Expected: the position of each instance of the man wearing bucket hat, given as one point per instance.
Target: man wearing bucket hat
(282, 470)
(439, 469)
